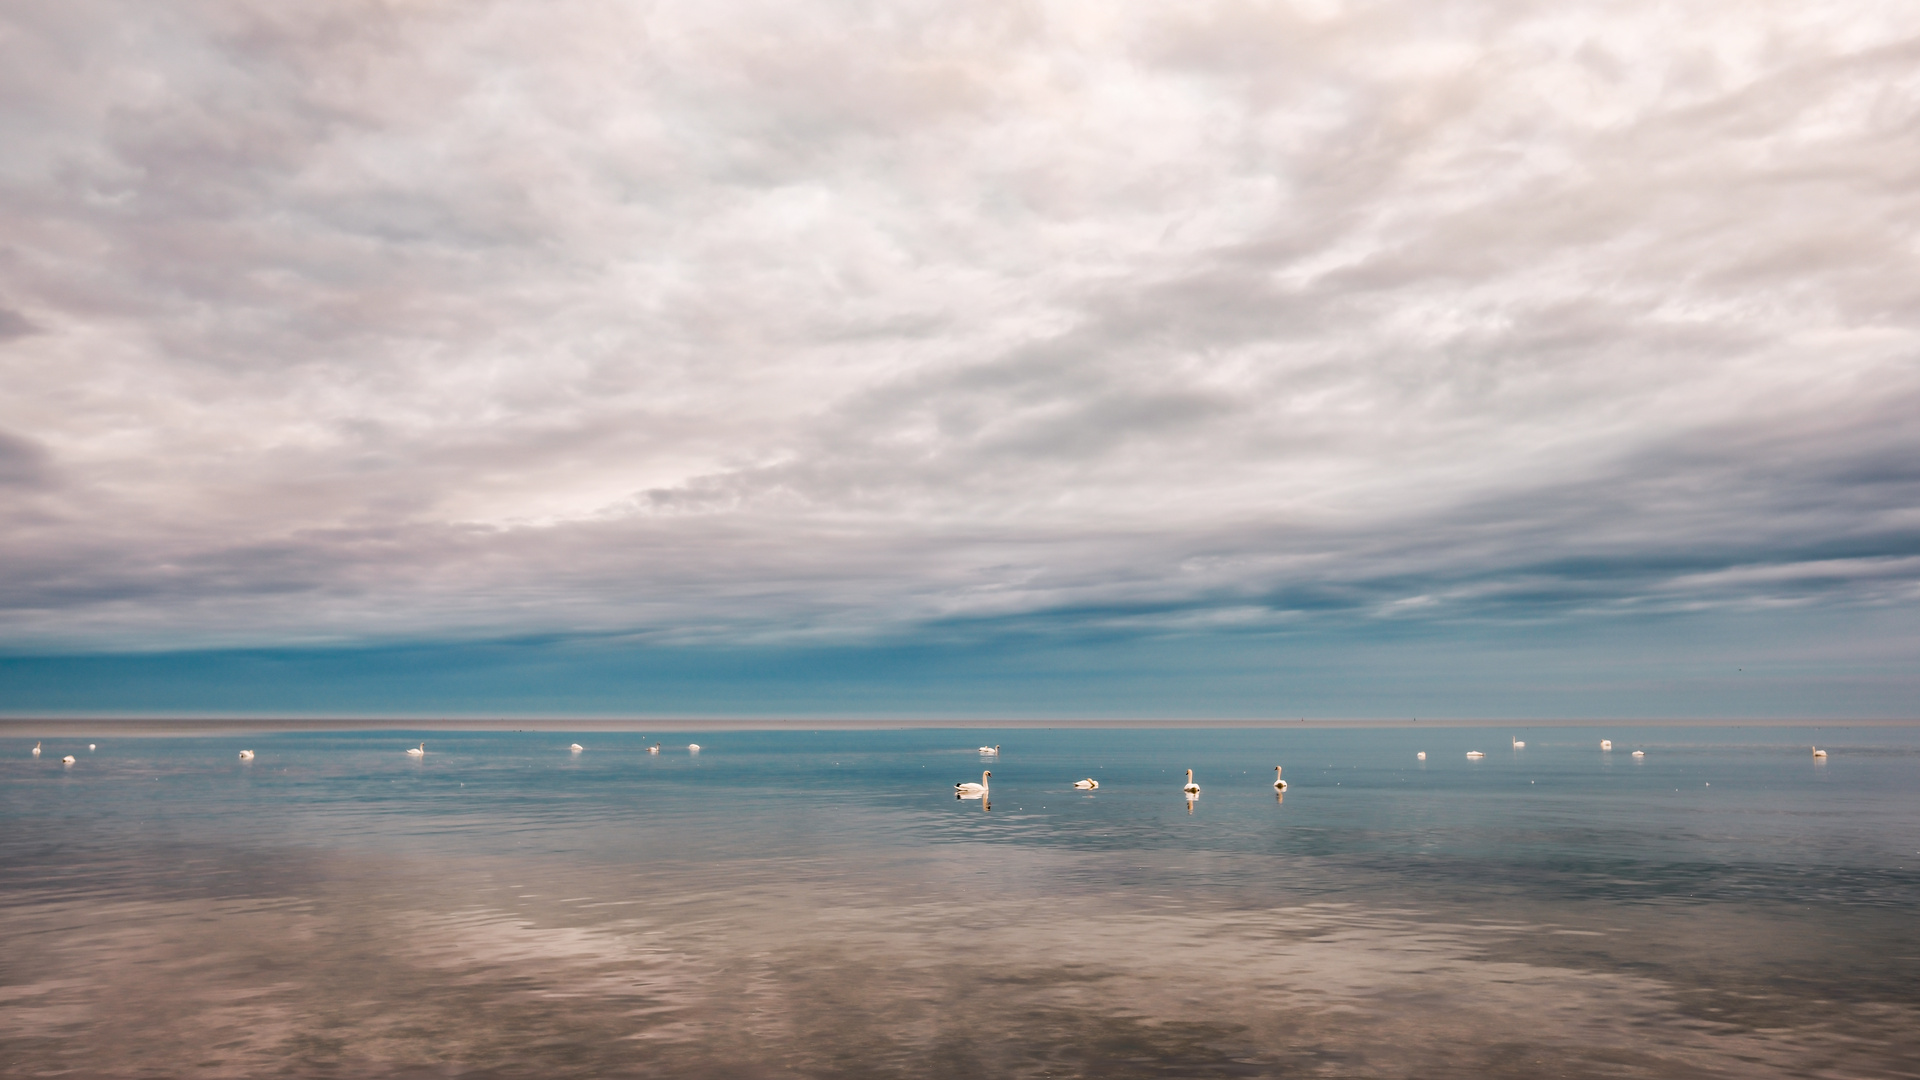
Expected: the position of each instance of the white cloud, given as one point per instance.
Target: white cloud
(738, 319)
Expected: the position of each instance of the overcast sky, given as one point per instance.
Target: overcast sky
(1196, 328)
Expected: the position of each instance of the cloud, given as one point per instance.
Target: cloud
(751, 322)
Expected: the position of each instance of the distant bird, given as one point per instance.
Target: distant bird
(972, 790)
(995, 749)
(654, 749)
(90, 746)
(577, 748)
(1278, 784)
(1422, 755)
(1474, 755)
(1606, 744)
(1519, 744)
(1191, 788)
(36, 749)
(68, 760)
(418, 751)
(1817, 752)
(1086, 785)
(246, 755)
(693, 748)
(1639, 753)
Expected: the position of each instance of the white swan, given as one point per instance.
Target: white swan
(418, 751)
(1086, 785)
(1639, 753)
(1421, 756)
(1278, 784)
(1817, 752)
(994, 749)
(1191, 788)
(1606, 744)
(1518, 744)
(68, 760)
(246, 755)
(36, 749)
(90, 746)
(693, 748)
(1474, 755)
(972, 790)
(654, 749)
(577, 748)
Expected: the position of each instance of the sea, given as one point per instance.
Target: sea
(819, 903)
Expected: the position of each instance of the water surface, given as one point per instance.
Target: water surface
(818, 904)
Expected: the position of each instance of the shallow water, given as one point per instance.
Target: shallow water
(818, 904)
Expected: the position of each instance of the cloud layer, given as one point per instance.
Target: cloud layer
(750, 322)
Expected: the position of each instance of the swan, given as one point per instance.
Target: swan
(90, 746)
(1639, 753)
(68, 760)
(36, 749)
(246, 755)
(1421, 756)
(994, 749)
(972, 790)
(1518, 744)
(693, 748)
(1086, 785)
(1191, 788)
(1606, 744)
(418, 751)
(1817, 752)
(654, 749)
(1278, 784)
(1474, 755)
(577, 748)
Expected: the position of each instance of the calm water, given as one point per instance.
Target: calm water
(818, 904)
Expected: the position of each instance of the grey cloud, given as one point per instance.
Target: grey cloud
(743, 321)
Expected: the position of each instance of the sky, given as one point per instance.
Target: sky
(1041, 358)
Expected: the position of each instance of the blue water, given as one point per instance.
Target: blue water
(818, 903)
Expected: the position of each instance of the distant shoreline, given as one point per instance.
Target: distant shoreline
(21, 726)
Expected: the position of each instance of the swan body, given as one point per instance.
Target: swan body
(1639, 753)
(971, 790)
(577, 748)
(1191, 788)
(1086, 785)
(246, 755)
(36, 749)
(1817, 752)
(1278, 784)
(693, 748)
(90, 746)
(654, 749)
(994, 749)
(418, 751)
(1606, 744)
(1474, 755)
(1421, 756)
(68, 760)
(1519, 744)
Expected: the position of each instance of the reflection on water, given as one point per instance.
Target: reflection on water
(799, 905)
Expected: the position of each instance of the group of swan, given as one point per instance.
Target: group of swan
(971, 790)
